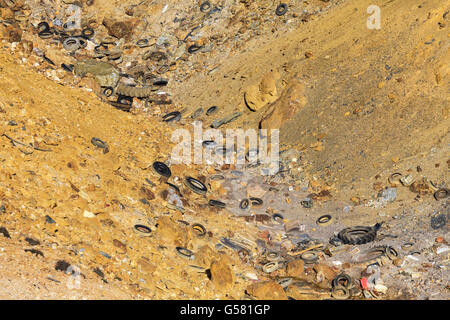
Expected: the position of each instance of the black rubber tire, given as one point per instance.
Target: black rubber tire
(43, 26)
(357, 235)
(324, 220)
(99, 143)
(45, 34)
(200, 229)
(172, 116)
(211, 110)
(391, 253)
(143, 229)
(195, 185)
(205, 6)
(277, 217)
(142, 43)
(243, 205)
(217, 203)
(87, 33)
(340, 293)
(185, 252)
(257, 202)
(281, 9)
(108, 91)
(309, 257)
(441, 194)
(194, 48)
(216, 177)
(160, 82)
(161, 169)
(342, 277)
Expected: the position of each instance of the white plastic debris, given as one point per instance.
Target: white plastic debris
(251, 275)
(88, 214)
(412, 258)
(442, 249)
(381, 288)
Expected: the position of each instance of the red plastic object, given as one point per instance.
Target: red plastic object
(364, 283)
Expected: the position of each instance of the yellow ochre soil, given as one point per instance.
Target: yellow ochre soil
(353, 106)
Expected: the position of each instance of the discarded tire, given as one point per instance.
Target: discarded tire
(172, 116)
(442, 194)
(199, 229)
(108, 91)
(205, 6)
(162, 169)
(186, 253)
(87, 33)
(357, 235)
(194, 48)
(244, 204)
(342, 279)
(211, 110)
(257, 202)
(270, 267)
(340, 293)
(273, 256)
(391, 253)
(309, 257)
(142, 230)
(281, 9)
(195, 185)
(324, 220)
(99, 143)
(217, 203)
(278, 218)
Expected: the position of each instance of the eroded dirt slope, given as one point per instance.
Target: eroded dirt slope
(354, 105)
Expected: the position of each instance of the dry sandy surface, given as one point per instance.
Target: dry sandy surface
(353, 106)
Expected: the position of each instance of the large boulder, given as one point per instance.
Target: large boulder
(291, 101)
(267, 290)
(257, 96)
(221, 275)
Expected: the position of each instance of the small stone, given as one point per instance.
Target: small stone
(88, 214)
(221, 275)
(296, 268)
(267, 290)
(381, 288)
(120, 29)
(11, 33)
(442, 249)
(147, 193)
(120, 245)
(397, 262)
(146, 266)
(327, 271)
(291, 101)
(255, 190)
(205, 255)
